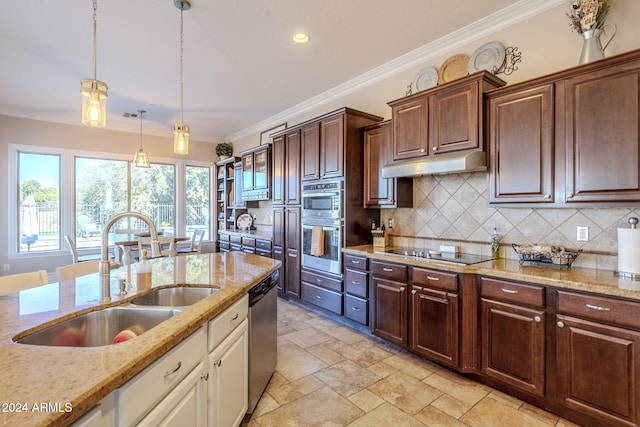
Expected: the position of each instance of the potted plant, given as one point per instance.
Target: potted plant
(224, 150)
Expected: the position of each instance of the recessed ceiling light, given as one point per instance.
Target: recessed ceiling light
(300, 37)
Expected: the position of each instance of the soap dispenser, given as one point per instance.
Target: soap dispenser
(144, 271)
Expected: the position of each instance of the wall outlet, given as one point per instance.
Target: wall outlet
(391, 222)
(6, 267)
(582, 234)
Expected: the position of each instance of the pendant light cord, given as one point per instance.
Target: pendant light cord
(141, 116)
(181, 56)
(95, 26)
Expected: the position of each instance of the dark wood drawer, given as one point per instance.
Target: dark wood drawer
(434, 279)
(517, 293)
(264, 253)
(355, 262)
(263, 244)
(356, 309)
(389, 271)
(223, 236)
(235, 239)
(249, 249)
(356, 282)
(236, 247)
(603, 309)
(321, 297)
(320, 280)
(223, 245)
(248, 241)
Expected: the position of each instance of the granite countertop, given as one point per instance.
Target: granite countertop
(78, 378)
(576, 278)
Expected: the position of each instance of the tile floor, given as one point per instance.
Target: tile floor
(331, 375)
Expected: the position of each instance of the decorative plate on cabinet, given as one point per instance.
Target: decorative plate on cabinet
(489, 56)
(453, 68)
(425, 79)
(244, 221)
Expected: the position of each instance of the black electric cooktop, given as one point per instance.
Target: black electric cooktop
(448, 257)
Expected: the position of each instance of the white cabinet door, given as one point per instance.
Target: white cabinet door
(184, 406)
(228, 379)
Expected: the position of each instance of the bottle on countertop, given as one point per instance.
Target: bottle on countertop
(144, 271)
(495, 244)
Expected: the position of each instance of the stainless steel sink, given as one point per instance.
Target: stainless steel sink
(98, 328)
(174, 297)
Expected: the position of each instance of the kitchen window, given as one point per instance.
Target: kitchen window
(76, 193)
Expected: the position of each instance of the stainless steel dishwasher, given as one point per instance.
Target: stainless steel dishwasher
(263, 337)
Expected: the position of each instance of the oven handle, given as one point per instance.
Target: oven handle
(320, 193)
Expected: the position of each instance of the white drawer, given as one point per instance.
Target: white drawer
(137, 397)
(227, 321)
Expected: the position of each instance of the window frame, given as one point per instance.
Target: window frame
(68, 197)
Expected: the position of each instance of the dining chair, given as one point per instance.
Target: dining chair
(167, 245)
(74, 252)
(21, 281)
(72, 271)
(195, 244)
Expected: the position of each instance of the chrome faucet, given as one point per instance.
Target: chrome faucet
(104, 268)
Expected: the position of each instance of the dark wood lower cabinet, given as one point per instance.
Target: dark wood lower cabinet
(390, 310)
(513, 345)
(599, 370)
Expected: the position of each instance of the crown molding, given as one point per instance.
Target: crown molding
(517, 12)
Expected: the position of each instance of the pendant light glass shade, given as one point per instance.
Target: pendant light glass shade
(141, 159)
(180, 130)
(181, 139)
(94, 92)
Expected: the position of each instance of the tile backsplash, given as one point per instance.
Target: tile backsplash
(453, 208)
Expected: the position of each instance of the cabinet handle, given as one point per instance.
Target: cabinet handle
(318, 297)
(355, 261)
(234, 317)
(355, 282)
(569, 195)
(413, 291)
(204, 376)
(319, 280)
(387, 269)
(402, 289)
(537, 319)
(433, 278)
(434, 149)
(547, 196)
(173, 371)
(355, 309)
(218, 363)
(598, 307)
(560, 324)
(422, 150)
(509, 291)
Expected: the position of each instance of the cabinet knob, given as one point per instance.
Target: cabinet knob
(569, 195)
(204, 377)
(422, 150)
(537, 319)
(560, 324)
(547, 196)
(218, 363)
(413, 291)
(355, 309)
(355, 282)
(402, 289)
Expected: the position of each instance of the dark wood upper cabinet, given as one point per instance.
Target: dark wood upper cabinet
(293, 194)
(521, 144)
(378, 191)
(278, 169)
(310, 145)
(601, 135)
(443, 119)
(332, 147)
(568, 139)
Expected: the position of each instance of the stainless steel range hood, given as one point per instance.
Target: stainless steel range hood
(451, 163)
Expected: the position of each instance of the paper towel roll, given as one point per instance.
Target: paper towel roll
(629, 250)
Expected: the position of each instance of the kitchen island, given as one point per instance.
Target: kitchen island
(53, 386)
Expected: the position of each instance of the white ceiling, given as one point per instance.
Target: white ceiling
(240, 65)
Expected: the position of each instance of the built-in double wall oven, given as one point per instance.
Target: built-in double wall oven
(322, 226)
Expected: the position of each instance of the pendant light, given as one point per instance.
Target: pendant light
(94, 92)
(180, 130)
(141, 159)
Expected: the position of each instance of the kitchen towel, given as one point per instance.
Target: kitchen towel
(629, 250)
(317, 240)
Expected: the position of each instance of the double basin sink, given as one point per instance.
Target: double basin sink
(109, 325)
